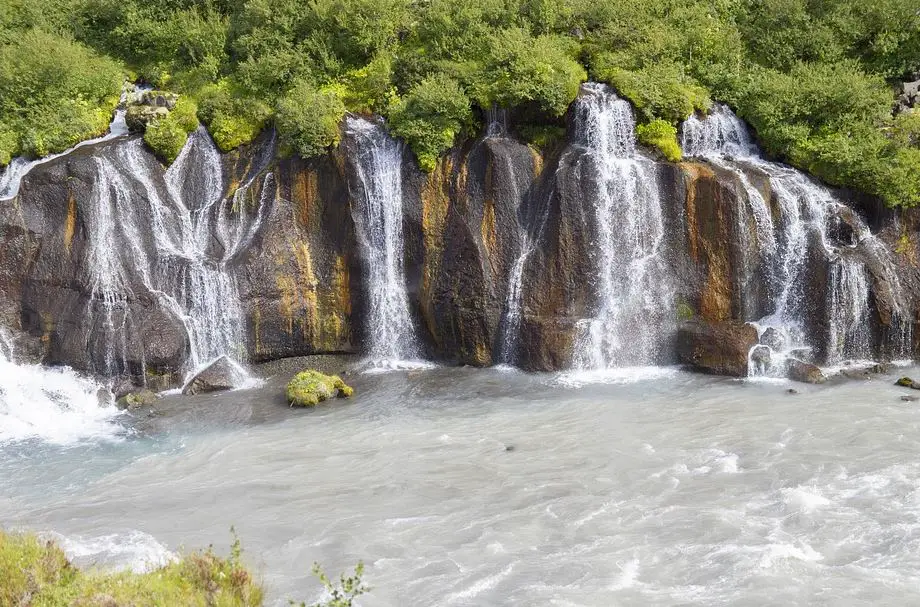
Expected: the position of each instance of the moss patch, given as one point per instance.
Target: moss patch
(309, 388)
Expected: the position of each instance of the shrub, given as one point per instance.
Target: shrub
(54, 92)
(308, 119)
(519, 68)
(659, 90)
(167, 136)
(38, 573)
(232, 118)
(662, 135)
(430, 117)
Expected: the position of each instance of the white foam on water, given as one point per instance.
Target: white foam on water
(135, 551)
(804, 499)
(377, 366)
(55, 405)
(629, 572)
(482, 585)
(616, 375)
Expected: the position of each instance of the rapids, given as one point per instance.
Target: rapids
(483, 487)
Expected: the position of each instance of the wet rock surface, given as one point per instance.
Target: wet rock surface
(222, 374)
(804, 372)
(300, 278)
(718, 348)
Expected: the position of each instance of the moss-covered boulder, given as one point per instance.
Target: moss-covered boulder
(309, 388)
(136, 400)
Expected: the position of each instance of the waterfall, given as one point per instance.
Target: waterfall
(848, 331)
(511, 323)
(378, 215)
(178, 247)
(52, 404)
(634, 313)
(807, 213)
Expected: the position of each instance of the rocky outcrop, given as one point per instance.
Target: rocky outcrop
(143, 107)
(718, 348)
(284, 232)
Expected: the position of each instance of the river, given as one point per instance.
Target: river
(459, 486)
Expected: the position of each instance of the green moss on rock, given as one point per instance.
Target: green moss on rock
(310, 387)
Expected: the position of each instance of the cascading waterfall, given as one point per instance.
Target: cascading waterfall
(378, 216)
(635, 309)
(184, 259)
(807, 215)
(848, 333)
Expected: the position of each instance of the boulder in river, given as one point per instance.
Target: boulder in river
(309, 388)
(761, 355)
(135, 400)
(808, 373)
(907, 382)
(718, 348)
(222, 374)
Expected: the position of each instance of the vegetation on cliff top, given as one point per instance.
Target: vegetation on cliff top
(812, 76)
(36, 572)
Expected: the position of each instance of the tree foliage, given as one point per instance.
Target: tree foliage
(814, 77)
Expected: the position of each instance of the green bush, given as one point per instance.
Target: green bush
(167, 136)
(662, 135)
(54, 92)
(813, 78)
(660, 90)
(520, 68)
(430, 117)
(232, 118)
(308, 119)
(38, 573)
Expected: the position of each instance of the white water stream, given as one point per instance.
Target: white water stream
(807, 214)
(377, 209)
(635, 300)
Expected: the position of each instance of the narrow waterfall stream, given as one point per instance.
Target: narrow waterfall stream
(807, 215)
(377, 212)
(634, 313)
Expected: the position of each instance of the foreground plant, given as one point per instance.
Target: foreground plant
(344, 592)
(36, 572)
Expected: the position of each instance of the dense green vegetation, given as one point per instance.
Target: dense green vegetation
(814, 77)
(37, 572)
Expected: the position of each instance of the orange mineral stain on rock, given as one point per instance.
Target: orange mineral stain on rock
(435, 205)
(70, 224)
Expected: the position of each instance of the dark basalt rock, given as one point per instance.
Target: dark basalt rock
(717, 348)
(222, 374)
(300, 276)
(804, 372)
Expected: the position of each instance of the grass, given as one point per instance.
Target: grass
(36, 572)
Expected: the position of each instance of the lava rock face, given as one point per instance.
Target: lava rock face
(496, 225)
(717, 348)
